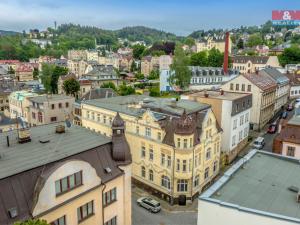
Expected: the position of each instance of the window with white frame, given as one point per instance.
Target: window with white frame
(151, 178)
(233, 140)
(208, 153)
(240, 135)
(234, 124)
(162, 159)
(165, 182)
(151, 153)
(215, 166)
(178, 165)
(169, 161)
(241, 120)
(88, 114)
(143, 171)
(206, 173)
(184, 165)
(196, 181)
(185, 143)
(143, 151)
(148, 132)
(182, 185)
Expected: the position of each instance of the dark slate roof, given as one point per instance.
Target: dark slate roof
(99, 93)
(253, 59)
(262, 81)
(23, 166)
(294, 79)
(277, 76)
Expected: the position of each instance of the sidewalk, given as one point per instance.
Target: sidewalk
(190, 207)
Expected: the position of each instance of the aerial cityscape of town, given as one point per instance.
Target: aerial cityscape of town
(113, 113)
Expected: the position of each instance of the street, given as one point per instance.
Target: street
(141, 216)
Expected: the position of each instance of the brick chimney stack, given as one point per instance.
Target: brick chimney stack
(226, 54)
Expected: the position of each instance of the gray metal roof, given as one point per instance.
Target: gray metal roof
(136, 105)
(49, 98)
(261, 185)
(21, 157)
(275, 75)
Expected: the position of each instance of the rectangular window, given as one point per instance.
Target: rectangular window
(240, 135)
(163, 158)
(178, 142)
(182, 185)
(241, 120)
(231, 87)
(53, 119)
(85, 211)
(234, 124)
(59, 221)
(237, 87)
(67, 104)
(151, 153)
(137, 129)
(143, 151)
(148, 131)
(246, 117)
(98, 117)
(87, 114)
(206, 173)
(104, 119)
(249, 88)
(59, 105)
(243, 87)
(112, 221)
(215, 166)
(185, 143)
(68, 183)
(291, 151)
(183, 165)
(110, 197)
(33, 115)
(233, 140)
(93, 115)
(178, 165)
(196, 181)
(169, 161)
(159, 136)
(52, 106)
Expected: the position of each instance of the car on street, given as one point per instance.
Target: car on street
(259, 143)
(284, 115)
(149, 204)
(272, 128)
(290, 107)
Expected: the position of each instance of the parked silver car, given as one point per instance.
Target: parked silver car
(149, 204)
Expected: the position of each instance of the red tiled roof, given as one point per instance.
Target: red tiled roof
(85, 82)
(8, 61)
(24, 68)
(262, 81)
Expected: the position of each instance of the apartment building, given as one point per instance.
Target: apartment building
(45, 109)
(61, 81)
(251, 64)
(65, 176)
(125, 62)
(175, 145)
(150, 63)
(294, 85)
(24, 72)
(261, 188)
(263, 90)
(212, 42)
(283, 86)
(287, 142)
(232, 111)
(18, 102)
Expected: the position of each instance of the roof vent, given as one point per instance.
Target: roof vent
(13, 212)
(60, 129)
(107, 170)
(293, 189)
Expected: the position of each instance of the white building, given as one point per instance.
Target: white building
(232, 111)
(260, 189)
(282, 89)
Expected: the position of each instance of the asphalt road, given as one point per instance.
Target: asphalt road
(141, 216)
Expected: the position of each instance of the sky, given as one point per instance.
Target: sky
(181, 17)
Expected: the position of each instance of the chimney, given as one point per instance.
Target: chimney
(222, 92)
(226, 54)
(206, 94)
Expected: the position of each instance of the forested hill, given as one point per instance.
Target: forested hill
(4, 33)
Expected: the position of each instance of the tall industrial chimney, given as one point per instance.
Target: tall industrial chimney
(226, 54)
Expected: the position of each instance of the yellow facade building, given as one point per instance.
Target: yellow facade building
(66, 176)
(175, 145)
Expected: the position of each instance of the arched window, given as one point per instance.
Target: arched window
(165, 182)
(143, 171)
(151, 175)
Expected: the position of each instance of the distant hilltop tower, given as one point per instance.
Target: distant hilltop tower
(55, 24)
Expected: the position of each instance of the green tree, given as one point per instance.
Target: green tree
(35, 73)
(254, 39)
(290, 56)
(154, 92)
(189, 41)
(139, 76)
(240, 44)
(71, 86)
(32, 222)
(133, 67)
(109, 85)
(180, 73)
(154, 74)
(50, 75)
(215, 58)
(125, 90)
(199, 59)
(138, 51)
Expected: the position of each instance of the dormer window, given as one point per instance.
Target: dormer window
(68, 183)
